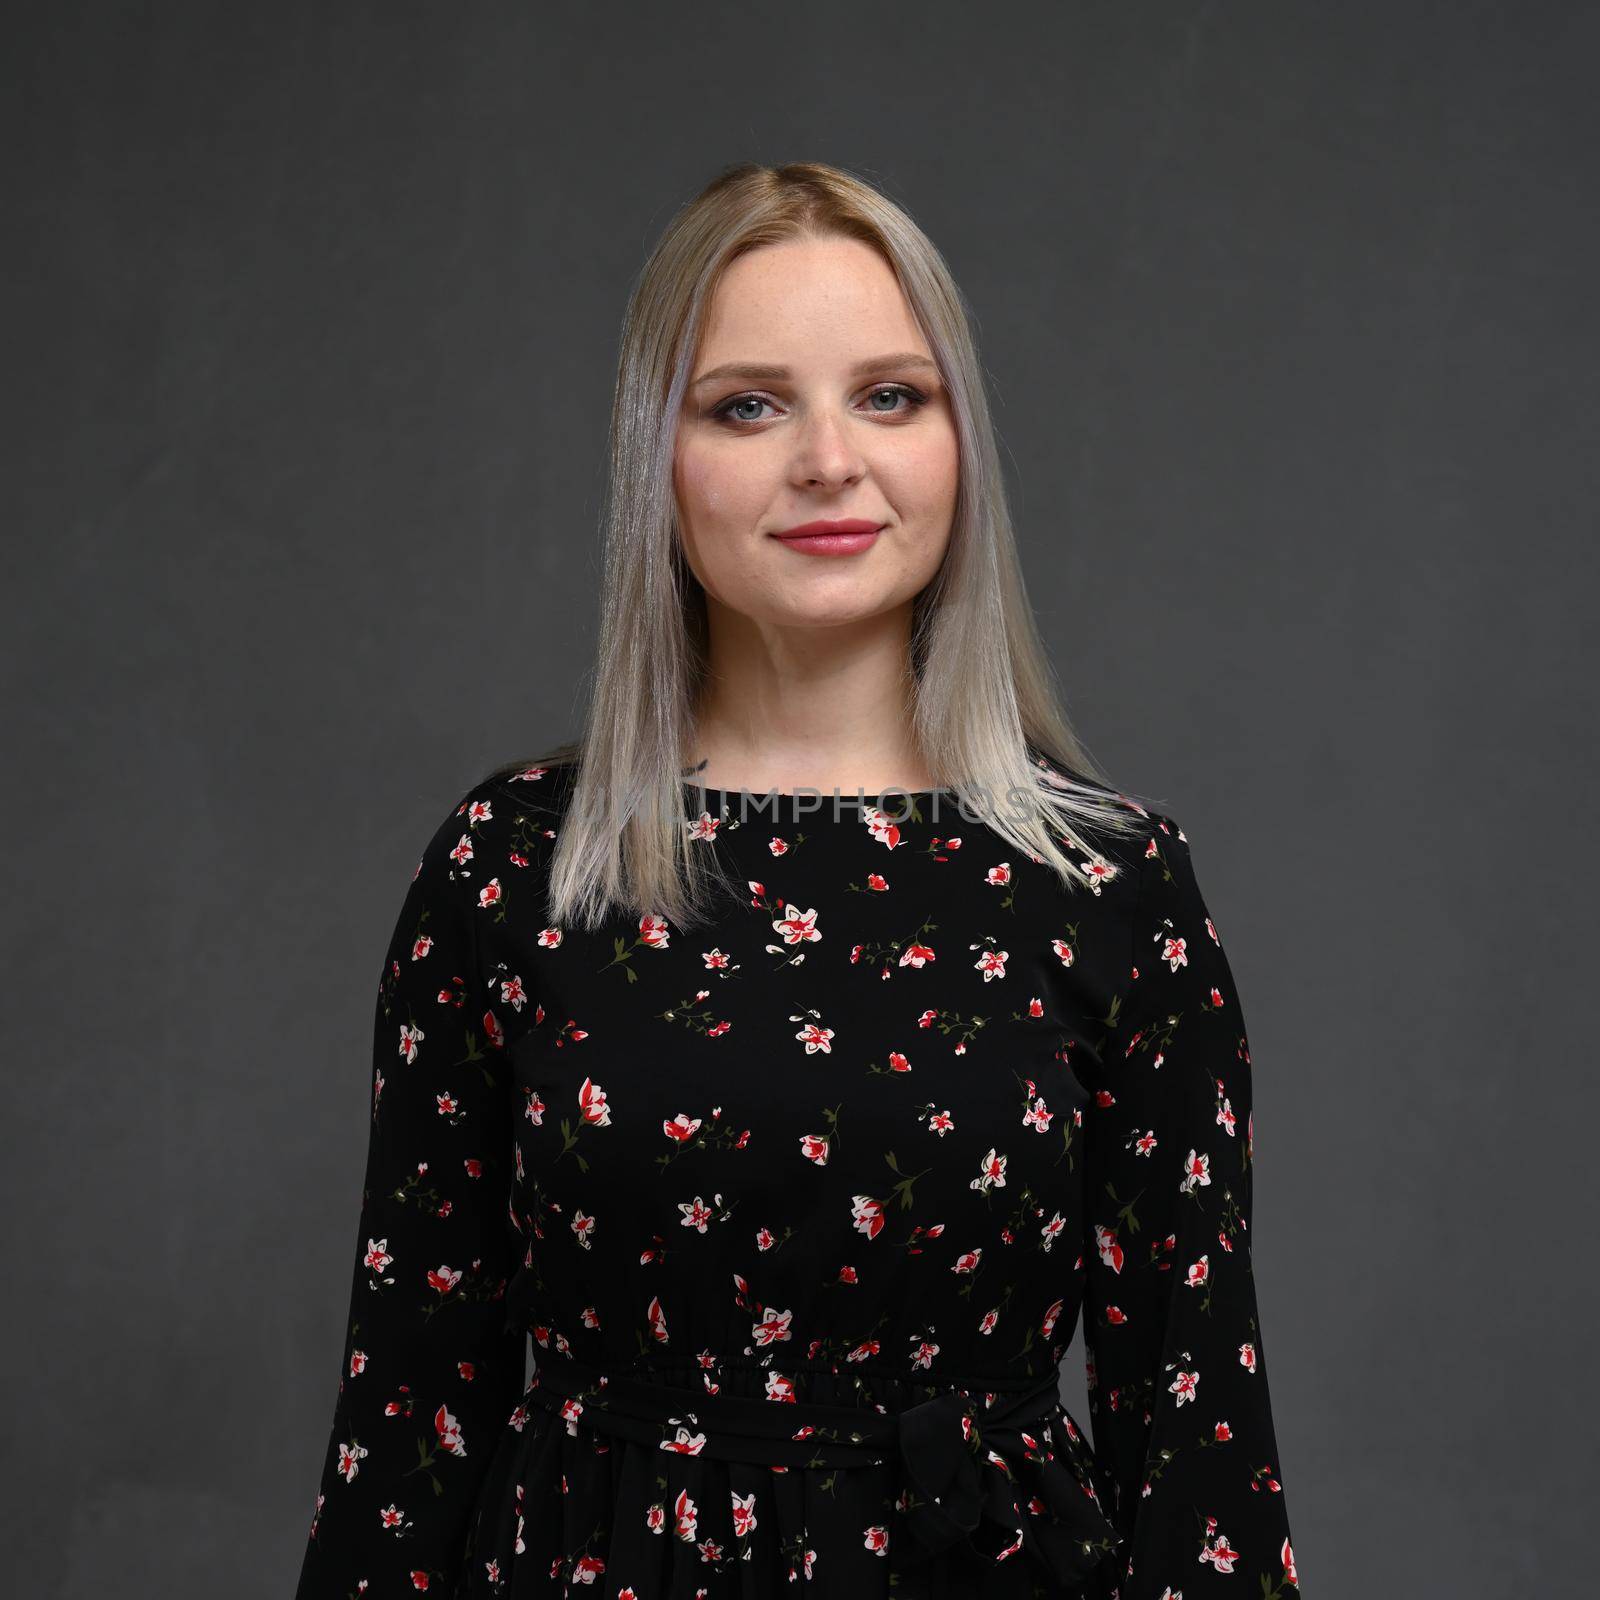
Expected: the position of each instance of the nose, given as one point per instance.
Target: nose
(826, 454)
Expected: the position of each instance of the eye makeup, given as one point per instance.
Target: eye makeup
(721, 412)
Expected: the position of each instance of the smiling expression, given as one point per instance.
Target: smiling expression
(814, 397)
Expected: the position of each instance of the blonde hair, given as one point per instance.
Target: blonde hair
(983, 707)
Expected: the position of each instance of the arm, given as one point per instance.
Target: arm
(428, 1376)
(1181, 1417)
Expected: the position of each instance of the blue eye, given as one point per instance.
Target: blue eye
(723, 412)
(914, 400)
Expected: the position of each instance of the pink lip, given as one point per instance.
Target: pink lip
(842, 537)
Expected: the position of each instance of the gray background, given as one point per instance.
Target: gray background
(1290, 315)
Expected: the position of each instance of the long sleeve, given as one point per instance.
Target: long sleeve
(1177, 1371)
(428, 1374)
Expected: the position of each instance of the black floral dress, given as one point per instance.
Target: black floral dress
(801, 1211)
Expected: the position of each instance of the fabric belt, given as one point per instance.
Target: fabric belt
(939, 1442)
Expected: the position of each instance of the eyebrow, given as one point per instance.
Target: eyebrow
(756, 372)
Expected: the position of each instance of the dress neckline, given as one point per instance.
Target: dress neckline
(823, 796)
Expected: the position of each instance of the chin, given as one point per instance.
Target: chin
(824, 610)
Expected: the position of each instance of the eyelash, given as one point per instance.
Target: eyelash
(720, 412)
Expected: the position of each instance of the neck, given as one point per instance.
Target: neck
(806, 708)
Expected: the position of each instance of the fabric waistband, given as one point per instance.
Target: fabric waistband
(735, 1427)
(939, 1443)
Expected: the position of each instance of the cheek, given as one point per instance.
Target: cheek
(717, 504)
(926, 473)
(694, 484)
(712, 487)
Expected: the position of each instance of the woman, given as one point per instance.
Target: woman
(802, 1189)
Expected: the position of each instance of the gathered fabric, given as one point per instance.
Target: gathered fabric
(976, 1471)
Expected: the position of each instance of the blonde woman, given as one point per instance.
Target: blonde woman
(807, 1051)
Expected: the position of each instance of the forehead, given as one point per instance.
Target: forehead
(807, 303)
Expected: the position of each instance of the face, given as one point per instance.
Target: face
(847, 421)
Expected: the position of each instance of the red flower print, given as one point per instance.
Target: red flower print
(887, 833)
(868, 1215)
(1184, 1386)
(1098, 871)
(592, 1102)
(449, 1432)
(1196, 1172)
(815, 1038)
(992, 964)
(350, 1458)
(991, 1173)
(773, 1328)
(444, 1279)
(814, 1147)
(744, 1514)
(797, 926)
(1219, 1553)
(1110, 1250)
(1122, 1045)
(683, 1513)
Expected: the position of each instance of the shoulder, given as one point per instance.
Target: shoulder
(541, 789)
(1149, 856)
(1119, 829)
(504, 819)
(1168, 885)
(1067, 778)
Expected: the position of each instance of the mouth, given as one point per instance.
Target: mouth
(841, 537)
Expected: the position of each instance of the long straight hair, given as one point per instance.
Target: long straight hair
(982, 705)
